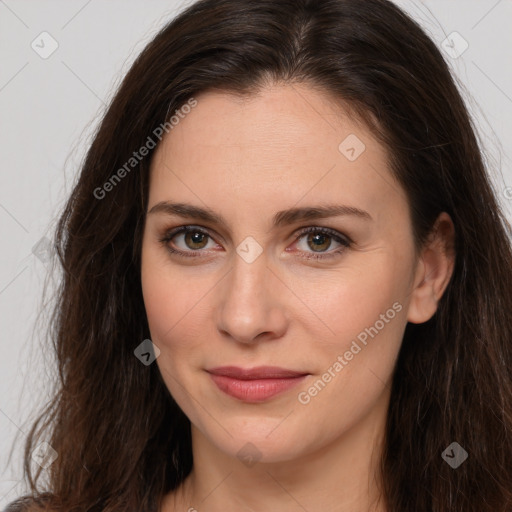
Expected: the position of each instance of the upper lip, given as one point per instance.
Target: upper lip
(258, 372)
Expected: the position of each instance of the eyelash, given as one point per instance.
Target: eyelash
(342, 239)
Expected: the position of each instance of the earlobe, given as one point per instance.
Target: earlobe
(433, 271)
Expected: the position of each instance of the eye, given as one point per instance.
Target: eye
(322, 239)
(194, 239)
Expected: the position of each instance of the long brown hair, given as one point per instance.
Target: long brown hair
(122, 441)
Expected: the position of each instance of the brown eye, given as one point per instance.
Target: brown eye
(319, 241)
(186, 240)
(195, 239)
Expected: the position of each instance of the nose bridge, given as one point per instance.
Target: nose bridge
(249, 305)
(250, 270)
(248, 281)
(249, 276)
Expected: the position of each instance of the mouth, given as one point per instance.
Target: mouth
(255, 384)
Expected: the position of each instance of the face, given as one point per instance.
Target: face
(250, 286)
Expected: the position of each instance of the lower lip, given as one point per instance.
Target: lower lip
(257, 390)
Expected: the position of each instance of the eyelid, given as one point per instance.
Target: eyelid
(168, 235)
(184, 228)
(297, 233)
(329, 231)
(341, 238)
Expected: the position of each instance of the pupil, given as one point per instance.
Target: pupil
(321, 238)
(195, 238)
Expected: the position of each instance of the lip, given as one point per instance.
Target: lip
(258, 372)
(255, 384)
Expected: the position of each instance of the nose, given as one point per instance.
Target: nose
(250, 305)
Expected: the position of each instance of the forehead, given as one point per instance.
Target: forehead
(278, 117)
(285, 144)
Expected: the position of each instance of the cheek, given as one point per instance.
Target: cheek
(366, 314)
(352, 298)
(170, 303)
(335, 306)
(163, 295)
(177, 310)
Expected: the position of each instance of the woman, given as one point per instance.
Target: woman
(287, 279)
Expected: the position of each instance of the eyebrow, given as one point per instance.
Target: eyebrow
(281, 218)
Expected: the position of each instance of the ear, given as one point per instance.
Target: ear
(433, 271)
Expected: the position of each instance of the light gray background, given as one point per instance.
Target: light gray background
(48, 111)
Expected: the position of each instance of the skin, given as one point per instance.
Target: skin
(246, 159)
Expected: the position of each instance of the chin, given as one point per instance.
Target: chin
(260, 441)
